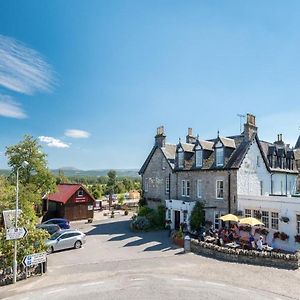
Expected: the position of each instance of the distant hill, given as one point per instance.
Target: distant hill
(70, 171)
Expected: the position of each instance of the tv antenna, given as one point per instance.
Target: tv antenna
(242, 117)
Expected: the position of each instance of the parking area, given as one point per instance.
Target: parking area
(116, 263)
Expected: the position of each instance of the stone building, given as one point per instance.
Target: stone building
(219, 172)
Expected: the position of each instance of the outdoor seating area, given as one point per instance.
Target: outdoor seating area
(237, 233)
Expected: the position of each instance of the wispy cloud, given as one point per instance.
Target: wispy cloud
(53, 142)
(23, 69)
(77, 134)
(10, 108)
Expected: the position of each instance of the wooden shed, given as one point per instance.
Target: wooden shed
(71, 201)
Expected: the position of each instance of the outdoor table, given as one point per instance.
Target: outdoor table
(267, 248)
(233, 245)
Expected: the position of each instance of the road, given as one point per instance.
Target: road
(118, 264)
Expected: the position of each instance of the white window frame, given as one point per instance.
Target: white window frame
(275, 220)
(199, 158)
(248, 213)
(188, 188)
(199, 188)
(167, 185)
(219, 189)
(183, 188)
(265, 218)
(180, 158)
(220, 157)
(80, 193)
(216, 220)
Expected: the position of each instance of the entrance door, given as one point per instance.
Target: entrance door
(177, 219)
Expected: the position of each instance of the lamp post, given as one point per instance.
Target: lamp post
(15, 266)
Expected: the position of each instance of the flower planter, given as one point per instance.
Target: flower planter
(179, 242)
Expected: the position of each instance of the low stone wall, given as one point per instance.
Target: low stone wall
(253, 257)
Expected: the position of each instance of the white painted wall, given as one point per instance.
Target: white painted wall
(179, 205)
(251, 174)
(285, 206)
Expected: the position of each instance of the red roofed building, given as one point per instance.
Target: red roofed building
(71, 201)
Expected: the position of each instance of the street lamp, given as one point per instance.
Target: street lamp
(15, 266)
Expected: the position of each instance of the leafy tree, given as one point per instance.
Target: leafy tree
(121, 199)
(96, 191)
(61, 178)
(197, 217)
(111, 183)
(128, 184)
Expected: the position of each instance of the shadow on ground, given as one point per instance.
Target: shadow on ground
(122, 231)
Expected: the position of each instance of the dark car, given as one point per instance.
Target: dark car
(50, 228)
(62, 223)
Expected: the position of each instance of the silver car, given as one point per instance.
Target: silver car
(65, 239)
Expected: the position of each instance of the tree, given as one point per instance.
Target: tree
(197, 217)
(96, 191)
(61, 178)
(112, 181)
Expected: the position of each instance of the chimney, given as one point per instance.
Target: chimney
(250, 127)
(190, 139)
(160, 138)
(279, 139)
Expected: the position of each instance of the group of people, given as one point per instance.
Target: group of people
(228, 235)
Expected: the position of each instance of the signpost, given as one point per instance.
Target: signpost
(9, 217)
(15, 233)
(34, 259)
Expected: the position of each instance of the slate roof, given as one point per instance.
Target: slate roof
(237, 147)
(65, 192)
(297, 146)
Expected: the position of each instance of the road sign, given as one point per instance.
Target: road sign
(15, 233)
(34, 259)
(9, 217)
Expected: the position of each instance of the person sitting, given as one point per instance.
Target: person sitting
(259, 244)
(230, 236)
(251, 241)
(211, 231)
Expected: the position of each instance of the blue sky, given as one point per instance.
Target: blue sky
(116, 70)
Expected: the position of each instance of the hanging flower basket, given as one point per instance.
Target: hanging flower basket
(281, 235)
(262, 231)
(297, 238)
(284, 219)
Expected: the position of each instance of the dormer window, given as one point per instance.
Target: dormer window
(80, 193)
(180, 158)
(219, 157)
(199, 158)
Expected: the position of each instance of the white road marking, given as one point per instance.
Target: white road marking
(137, 279)
(55, 291)
(92, 283)
(215, 283)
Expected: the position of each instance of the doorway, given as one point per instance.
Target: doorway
(177, 219)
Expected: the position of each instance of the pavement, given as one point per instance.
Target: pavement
(116, 263)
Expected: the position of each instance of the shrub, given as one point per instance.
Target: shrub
(144, 211)
(140, 223)
(197, 217)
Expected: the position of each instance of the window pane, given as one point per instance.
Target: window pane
(274, 220)
(265, 218)
(247, 213)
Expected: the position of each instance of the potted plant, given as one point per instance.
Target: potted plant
(276, 235)
(284, 236)
(178, 238)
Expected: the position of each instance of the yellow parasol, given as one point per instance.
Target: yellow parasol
(229, 217)
(251, 221)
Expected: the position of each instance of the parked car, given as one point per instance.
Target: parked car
(62, 223)
(50, 228)
(65, 239)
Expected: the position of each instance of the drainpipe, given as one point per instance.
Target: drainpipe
(272, 183)
(169, 186)
(286, 184)
(229, 192)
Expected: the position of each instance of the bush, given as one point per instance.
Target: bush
(140, 223)
(197, 217)
(145, 211)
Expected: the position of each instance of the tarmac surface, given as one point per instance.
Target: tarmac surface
(116, 263)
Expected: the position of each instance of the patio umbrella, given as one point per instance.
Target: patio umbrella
(229, 217)
(251, 221)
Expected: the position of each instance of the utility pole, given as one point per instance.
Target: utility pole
(242, 117)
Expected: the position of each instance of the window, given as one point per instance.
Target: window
(163, 164)
(220, 189)
(265, 218)
(199, 188)
(298, 224)
(167, 185)
(185, 188)
(261, 188)
(274, 220)
(258, 161)
(247, 213)
(257, 214)
(180, 158)
(219, 157)
(80, 193)
(184, 216)
(199, 158)
(146, 185)
(169, 214)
